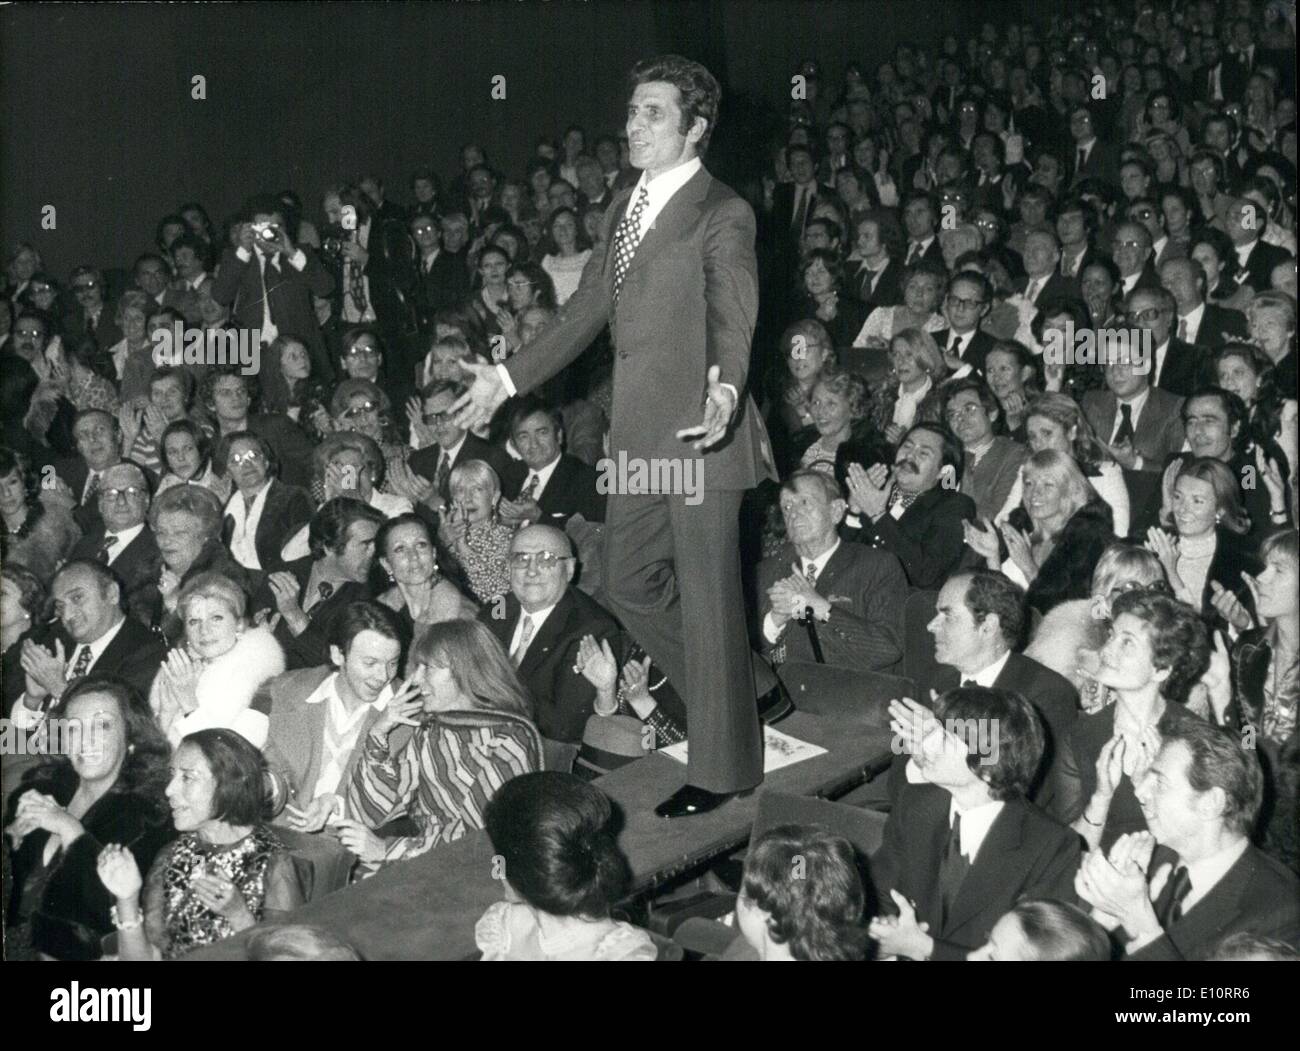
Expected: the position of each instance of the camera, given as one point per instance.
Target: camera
(268, 232)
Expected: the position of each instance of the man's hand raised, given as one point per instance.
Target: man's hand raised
(719, 407)
(482, 399)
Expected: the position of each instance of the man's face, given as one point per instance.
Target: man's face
(230, 398)
(1071, 228)
(537, 439)
(358, 550)
(607, 155)
(1133, 181)
(188, 264)
(1124, 381)
(964, 306)
(423, 191)
(810, 514)
(1149, 312)
(370, 664)
(969, 420)
(1217, 135)
(561, 195)
(85, 611)
(1081, 126)
(534, 583)
(97, 441)
(816, 237)
(654, 121)
(481, 184)
(801, 167)
(1131, 248)
(919, 462)
(276, 221)
(168, 395)
(958, 639)
(1180, 278)
(919, 220)
(123, 498)
(1047, 172)
(361, 360)
(30, 337)
(438, 415)
(1245, 222)
(455, 232)
(1209, 431)
(1174, 811)
(1041, 255)
(151, 276)
(247, 465)
(426, 234)
(89, 291)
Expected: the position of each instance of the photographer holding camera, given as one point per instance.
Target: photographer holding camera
(268, 282)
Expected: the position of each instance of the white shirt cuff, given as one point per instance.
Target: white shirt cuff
(735, 394)
(243, 254)
(770, 631)
(298, 260)
(23, 717)
(506, 381)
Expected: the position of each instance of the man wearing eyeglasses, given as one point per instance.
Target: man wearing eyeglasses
(1131, 252)
(1092, 157)
(544, 622)
(90, 315)
(1176, 366)
(963, 344)
(125, 541)
(1145, 211)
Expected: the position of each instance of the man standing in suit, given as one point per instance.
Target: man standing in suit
(920, 217)
(545, 620)
(1138, 423)
(963, 848)
(855, 592)
(979, 619)
(1245, 223)
(677, 283)
(547, 486)
(442, 279)
(126, 542)
(1200, 796)
(93, 635)
(792, 202)
(268, 282)
(1201, 324)
(915, 510)
(1092, 158)
(1175, 366)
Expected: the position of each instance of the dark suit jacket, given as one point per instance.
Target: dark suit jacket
(1051, 694)
(424, 462)
(1102, 163)
(669, 328)
(134, 654)
(107, 332)
(1184, 368)
(1147, 278)
(1219, 325)
(1090, 256)
(1056, 287)
(292, 447)
(1263, 257)
(563, 698)
(933, 253)
(889, 287)
(928, 539)
(570, 490)
(781, 219)
(976, 348)
(1026, 854)
(440, 286)
(1258, 895)
(138, 565)
(866, 589)
(1159, 431)
(287, 509)
(239, 285)
(990, 481)
(311, 649)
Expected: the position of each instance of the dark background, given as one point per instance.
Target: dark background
(99, 121)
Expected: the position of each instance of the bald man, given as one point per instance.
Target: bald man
(541, 623)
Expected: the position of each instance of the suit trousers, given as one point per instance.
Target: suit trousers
(672, 576)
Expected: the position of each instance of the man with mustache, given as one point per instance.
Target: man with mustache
(915, 510)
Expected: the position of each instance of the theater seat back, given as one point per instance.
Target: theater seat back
(919, 664)
(844, 693)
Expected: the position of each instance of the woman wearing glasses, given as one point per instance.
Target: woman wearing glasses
(472, 532)
(263, 510)
(473, 732)
(359, 405)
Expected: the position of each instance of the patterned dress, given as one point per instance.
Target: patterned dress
(442, 777)
(259, 867)
(487, 564)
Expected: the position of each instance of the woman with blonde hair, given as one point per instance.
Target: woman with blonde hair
(1053, 541)
(473, 531)
(1055, 421)
(908, 396)
(473, 732)
(1271, 316)
(840, 404)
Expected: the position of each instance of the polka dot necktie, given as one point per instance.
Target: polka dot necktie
(626, 239)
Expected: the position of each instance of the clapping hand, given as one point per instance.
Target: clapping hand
(119, 872)
(901, 935)
(415, 416)
(1116, 885)
(44, 668)
(1273, 481)
(636, 685)
(719, 407)
(1229, 607)
(38, 810)
(982, 538)
(1020, 550)
(596, 663)
(1165, 548)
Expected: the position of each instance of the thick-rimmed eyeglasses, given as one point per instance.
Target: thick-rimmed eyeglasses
(540, 559)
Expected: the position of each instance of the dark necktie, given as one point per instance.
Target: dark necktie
(529, 490)
(82, 664)
(953, 867)
(92, 492)
(1124, 435)
(105, 549)
(1180, 885)
(325, 589)
(966, 684)
(626, 239)
(800, 219)
(913, 253)
(954, 345)
(442, 476)
(1083, 159)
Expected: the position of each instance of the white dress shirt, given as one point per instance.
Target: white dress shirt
(124, 539)
(23, 717)
(1193, 319)
(342, 730)
(543, 475)
(538, 619)
(1205, 873)
(243, 541)
(975, 825)
(1136, 405)
(770, 631)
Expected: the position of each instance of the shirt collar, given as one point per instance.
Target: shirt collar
(975, 824)
(1205, 873)
(544, 473)
(989, 676)
(98, 647)
(819, 563)
(453, 451)
(328, 691)
(660, 190)
(1138, 403)
(1193, 318)
(125, 537)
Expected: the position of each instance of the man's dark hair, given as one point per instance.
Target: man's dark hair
(328, 531)
(1012, 767)
(953, 455)
(238, 769)
(992, 593)
(971, 385)
(700, 93)
(105, 576)
(263, 204)
(85, 414)
(973, 277)
(1219, 761)
(367, 616)
(531, 404)
(1057, 930)
(1233, 407)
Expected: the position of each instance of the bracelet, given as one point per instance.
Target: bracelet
(128, 925)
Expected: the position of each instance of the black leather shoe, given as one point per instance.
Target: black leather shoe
(689, 800)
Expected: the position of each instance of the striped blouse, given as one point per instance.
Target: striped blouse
(443, 777)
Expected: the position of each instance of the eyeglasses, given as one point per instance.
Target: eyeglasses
(239, 459)
(85, 286)
(33, 332)
(360, 410)
(133, 492)
(965, 304)
(425, 229)
(966, 411)
(1128, 244)
(519, 282)
(362, 351)
(436, 418)
(1141, 213)
(1150, 314)
(540, 559)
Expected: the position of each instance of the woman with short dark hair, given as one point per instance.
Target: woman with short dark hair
(564, 873)
(227, 872)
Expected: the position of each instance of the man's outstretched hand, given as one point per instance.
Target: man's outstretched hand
(719, 407)
(482, 399)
